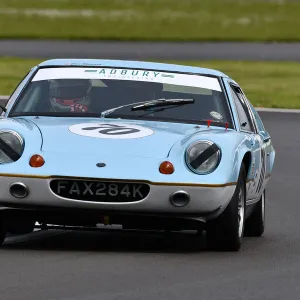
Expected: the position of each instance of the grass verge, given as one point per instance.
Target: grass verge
(213, 20)
(266, 84)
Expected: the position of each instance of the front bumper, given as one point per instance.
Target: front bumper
(206, 201)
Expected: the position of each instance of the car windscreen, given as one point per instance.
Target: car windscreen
(121, 93)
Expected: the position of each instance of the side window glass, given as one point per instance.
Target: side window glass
(242, 110)
(258, 120)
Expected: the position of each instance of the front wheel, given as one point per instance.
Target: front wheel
(255, 224)
(226, 232)
(2, 229)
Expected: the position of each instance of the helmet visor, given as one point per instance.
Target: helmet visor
(69, 89)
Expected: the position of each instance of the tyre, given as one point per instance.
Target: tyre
(21, 227)
(226, 232)
(255, 224)
(2, 229)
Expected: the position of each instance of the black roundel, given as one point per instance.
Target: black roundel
(100, 165)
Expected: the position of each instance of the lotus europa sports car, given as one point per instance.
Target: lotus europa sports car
(146, 146)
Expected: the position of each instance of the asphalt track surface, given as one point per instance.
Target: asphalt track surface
(60, 265)
(150, 50)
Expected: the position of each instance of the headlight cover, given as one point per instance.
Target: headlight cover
(11, 146)
(203, 157)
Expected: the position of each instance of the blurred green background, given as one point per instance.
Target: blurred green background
(267, 84)
(184, 20)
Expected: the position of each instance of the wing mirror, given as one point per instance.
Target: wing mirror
(265, 135)
(2, 108)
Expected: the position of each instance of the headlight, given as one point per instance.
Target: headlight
(203, 157)
(11, 146)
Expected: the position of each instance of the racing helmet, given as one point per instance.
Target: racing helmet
(65, 94)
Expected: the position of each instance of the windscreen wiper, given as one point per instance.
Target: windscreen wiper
(148, 104)
(162, 102)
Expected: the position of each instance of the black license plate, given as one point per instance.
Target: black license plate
(100, 191)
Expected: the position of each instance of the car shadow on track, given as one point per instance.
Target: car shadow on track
(57, 240)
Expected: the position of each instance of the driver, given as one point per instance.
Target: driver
(70, 95)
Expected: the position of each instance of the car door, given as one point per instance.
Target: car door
(256, 175)
(267, 144)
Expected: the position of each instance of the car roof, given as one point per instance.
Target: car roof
(131, 64)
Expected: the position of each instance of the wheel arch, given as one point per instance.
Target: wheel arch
(247, 162)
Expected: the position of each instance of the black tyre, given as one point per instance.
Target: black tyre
(2, 229)
(255, 224)
(226, 232)
(21, 227)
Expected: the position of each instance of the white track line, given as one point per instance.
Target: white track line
(262, 109)
(278, 110)
(85, 13)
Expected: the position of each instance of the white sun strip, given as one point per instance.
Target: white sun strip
(129, 74)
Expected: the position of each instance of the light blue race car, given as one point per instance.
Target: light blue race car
(149, 146)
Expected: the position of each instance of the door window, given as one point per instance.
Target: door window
(242, 110)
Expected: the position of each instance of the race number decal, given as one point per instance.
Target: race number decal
(110, 130)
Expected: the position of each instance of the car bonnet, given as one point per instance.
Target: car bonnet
(110, 136)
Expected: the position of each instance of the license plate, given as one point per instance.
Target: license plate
(100, 191)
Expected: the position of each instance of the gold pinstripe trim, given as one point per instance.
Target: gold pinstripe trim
(122, 180)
